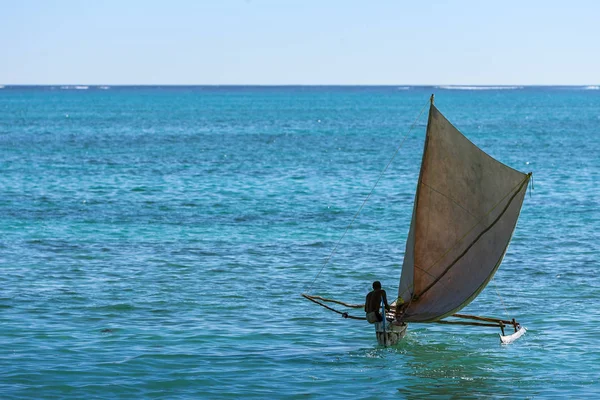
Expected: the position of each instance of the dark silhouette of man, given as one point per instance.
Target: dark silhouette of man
(373, 301)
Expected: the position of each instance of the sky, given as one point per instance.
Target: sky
(299, 42)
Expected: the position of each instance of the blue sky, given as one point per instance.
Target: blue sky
(270, 42)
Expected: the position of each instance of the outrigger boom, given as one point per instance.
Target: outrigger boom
(489, 322)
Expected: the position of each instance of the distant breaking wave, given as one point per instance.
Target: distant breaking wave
(452, 87)
(74, 87)
(1, 87)
(104, 87)
(403, 88)
(591, 88)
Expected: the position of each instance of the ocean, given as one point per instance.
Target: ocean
(155, 242)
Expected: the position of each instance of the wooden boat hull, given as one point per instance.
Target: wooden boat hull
(390, 334)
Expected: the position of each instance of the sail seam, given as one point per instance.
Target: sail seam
(469, 231)
(475, 240)
(449, 198)
(471, 297)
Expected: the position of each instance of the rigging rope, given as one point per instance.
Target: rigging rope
(501, 299)
(366, 198)
(494, 278)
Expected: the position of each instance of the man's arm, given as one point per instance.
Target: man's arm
(387, 306)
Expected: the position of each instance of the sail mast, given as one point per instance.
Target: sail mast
(406, 288)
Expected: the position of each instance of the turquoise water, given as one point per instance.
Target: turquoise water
(154, 243)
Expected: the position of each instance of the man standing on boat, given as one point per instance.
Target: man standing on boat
(373, 303)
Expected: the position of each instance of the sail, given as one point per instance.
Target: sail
(465, 211)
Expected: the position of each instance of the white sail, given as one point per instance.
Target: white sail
(466, 208)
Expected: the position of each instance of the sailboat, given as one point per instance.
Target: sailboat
(465, 211)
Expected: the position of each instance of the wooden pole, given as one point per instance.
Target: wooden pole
(487, 319)
(343, 314)
(466, 323)
(309, 297)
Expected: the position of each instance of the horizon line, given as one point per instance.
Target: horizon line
(296, 84)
